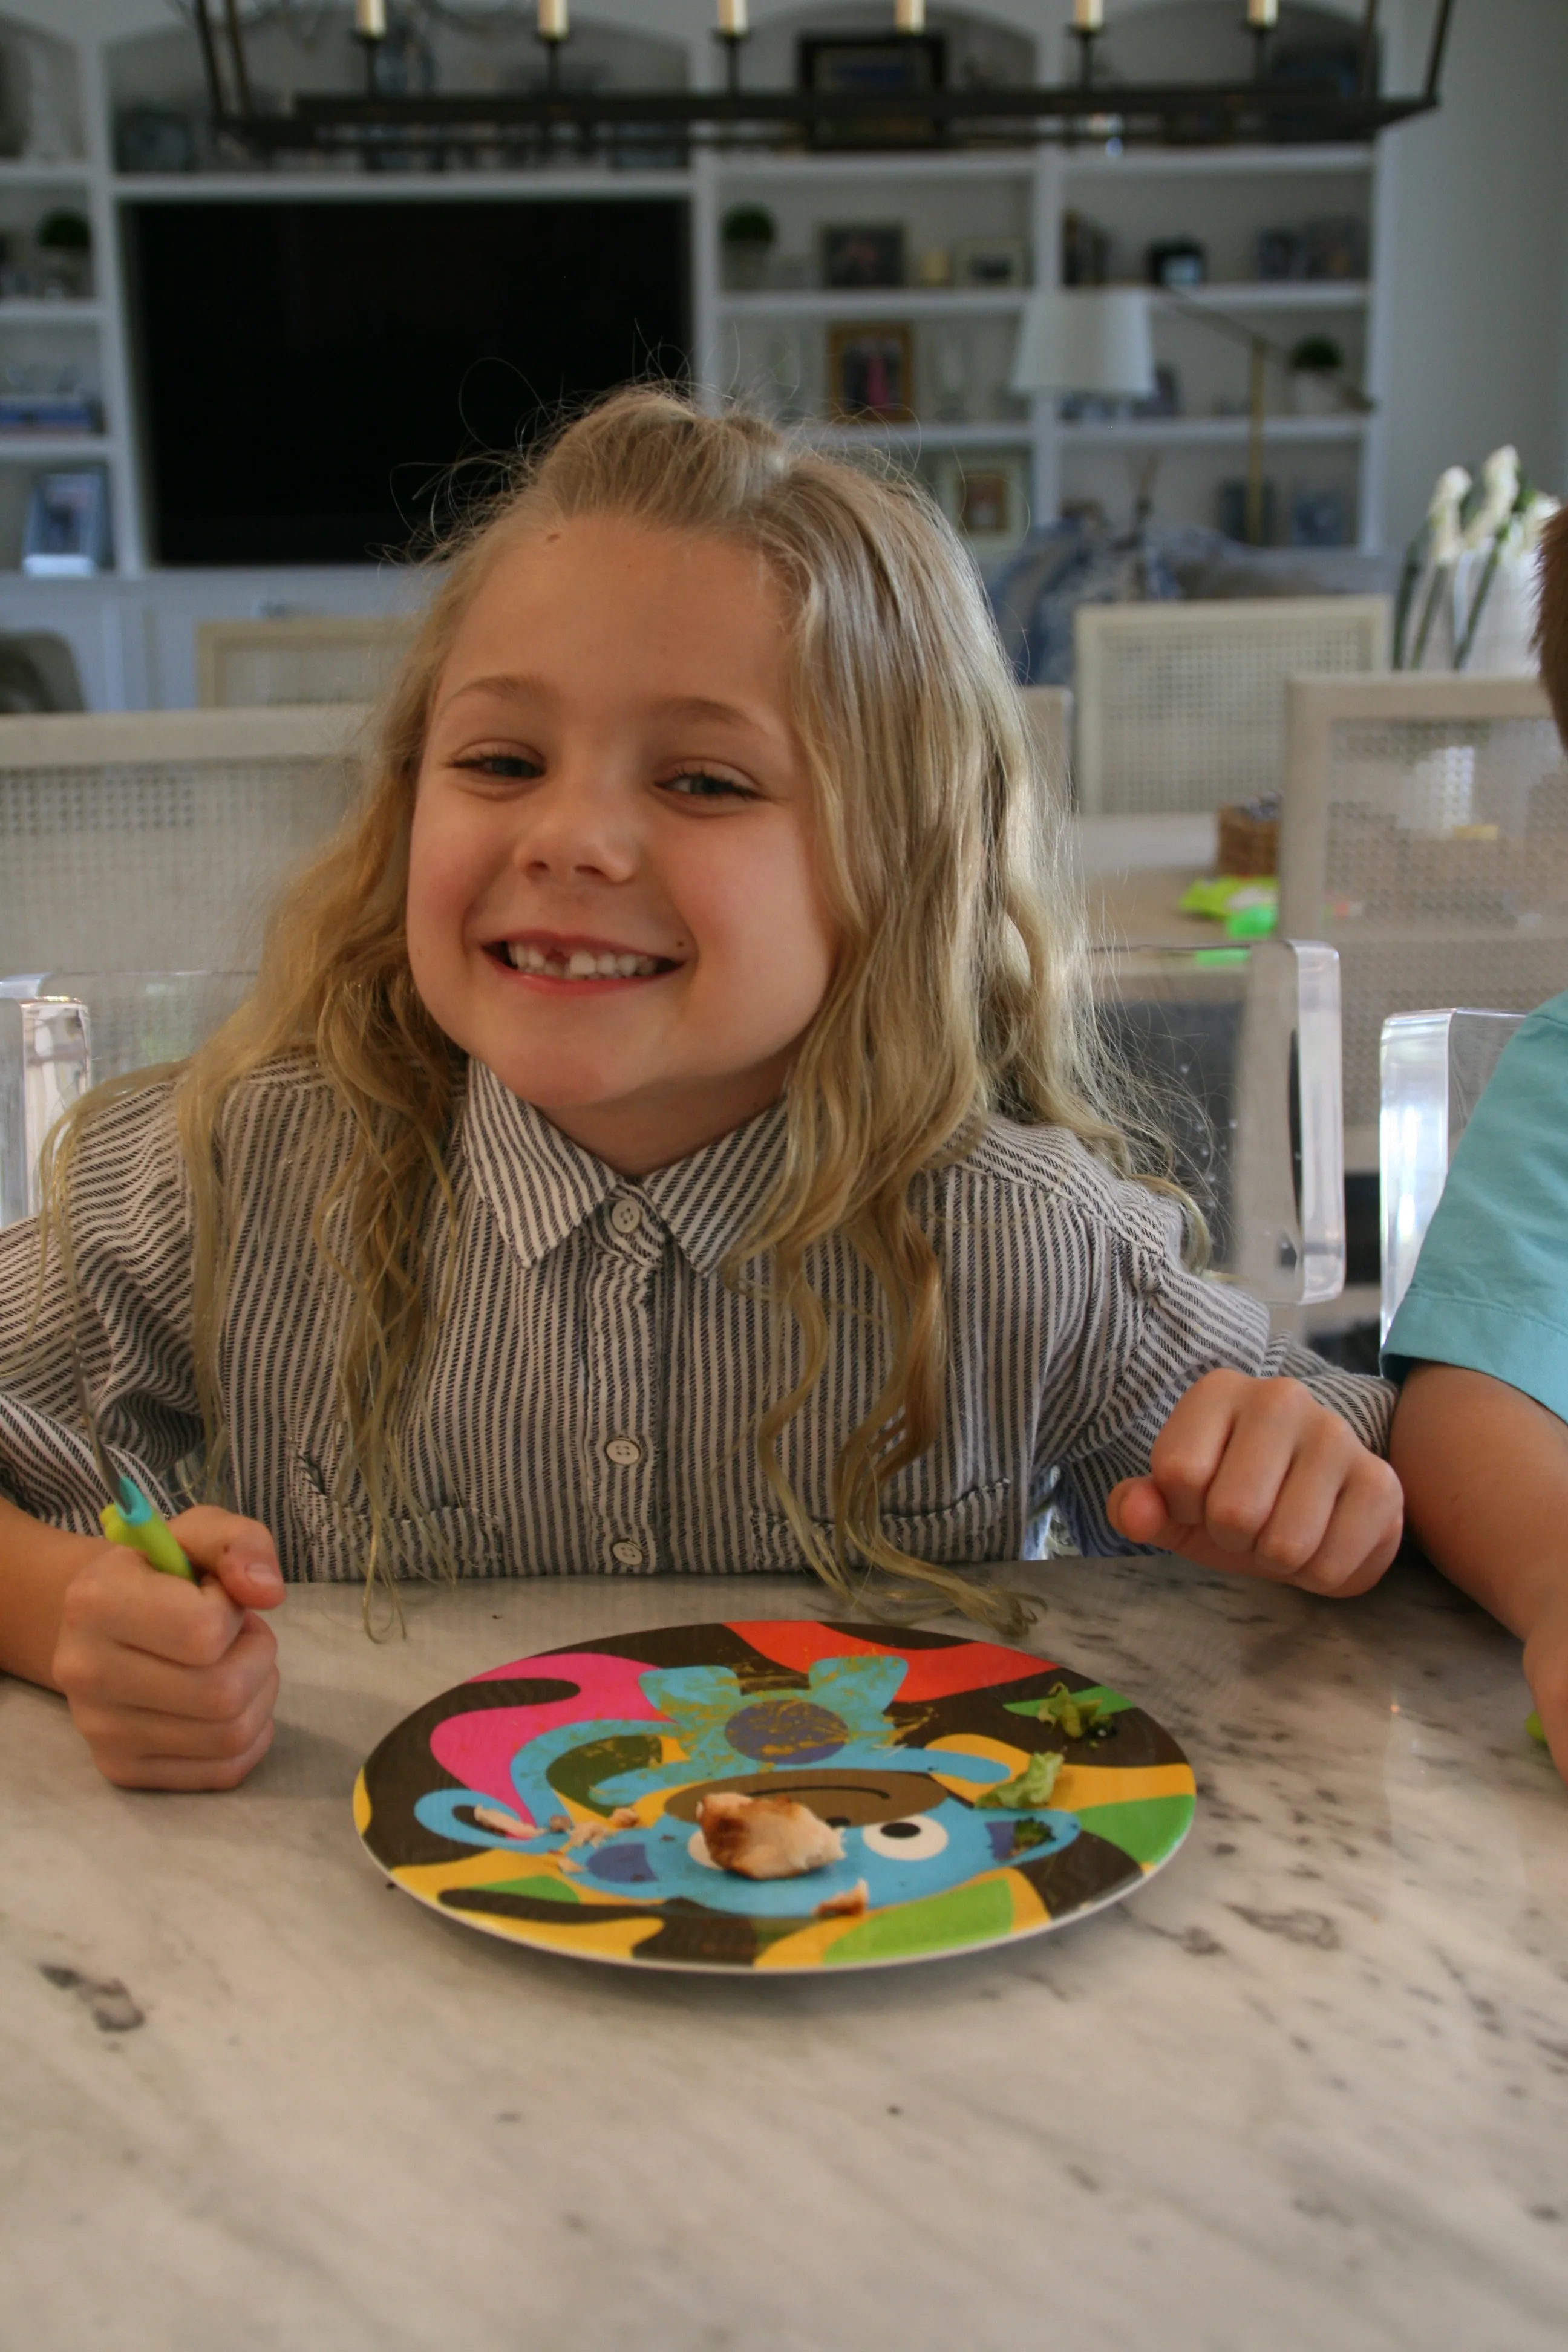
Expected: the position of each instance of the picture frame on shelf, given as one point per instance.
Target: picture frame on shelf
(1334, 249)
(985, 497)
(1086, 250)
(1177, 263)
(65, 536)
(1319, 519)
(840, 64)
(1282, 255)
(870, 373)
(1230, 511)
(991, 261)
(862, 255)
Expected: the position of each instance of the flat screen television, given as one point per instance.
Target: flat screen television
(308, 371)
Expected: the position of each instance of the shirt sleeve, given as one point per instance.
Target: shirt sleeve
(1163, 1327)
(131, 1231)
(1490, 1286)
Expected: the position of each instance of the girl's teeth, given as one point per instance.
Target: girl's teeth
(583, 963)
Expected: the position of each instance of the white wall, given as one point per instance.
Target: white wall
(1475, 326)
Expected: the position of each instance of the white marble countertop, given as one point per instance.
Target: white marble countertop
(1307, 2089)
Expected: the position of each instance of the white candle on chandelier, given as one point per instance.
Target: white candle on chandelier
(1087, 15)
(733, 19)
(910, 16)
(1263, 14)
(553, 24)
(369, 19)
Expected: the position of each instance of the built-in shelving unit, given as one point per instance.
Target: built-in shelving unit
(997, 462)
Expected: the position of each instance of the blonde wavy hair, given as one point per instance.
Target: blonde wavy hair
(959, 986)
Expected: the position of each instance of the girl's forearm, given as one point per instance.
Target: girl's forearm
(36, 1564)
(1485, 1473)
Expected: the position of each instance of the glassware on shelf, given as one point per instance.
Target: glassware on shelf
(780, 389)
(48, 137)
(951, 375)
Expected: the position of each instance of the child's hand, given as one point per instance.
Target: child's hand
(172, 1684)
(1257, 1477)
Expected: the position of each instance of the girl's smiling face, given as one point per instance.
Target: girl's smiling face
(612, 896)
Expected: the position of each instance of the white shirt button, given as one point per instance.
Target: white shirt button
(628, 1553)
(624, 1451)
(626, 1216)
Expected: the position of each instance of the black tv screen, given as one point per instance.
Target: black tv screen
(307, 370)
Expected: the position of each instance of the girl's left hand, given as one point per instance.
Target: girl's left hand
(1257, 1478)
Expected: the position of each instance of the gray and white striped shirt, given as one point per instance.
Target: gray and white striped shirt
(592, 1388)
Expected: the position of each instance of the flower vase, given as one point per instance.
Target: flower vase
(1503, 641)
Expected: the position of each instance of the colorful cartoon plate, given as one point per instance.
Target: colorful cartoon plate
(494, 1802)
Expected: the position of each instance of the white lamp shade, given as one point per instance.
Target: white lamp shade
(1088, 340)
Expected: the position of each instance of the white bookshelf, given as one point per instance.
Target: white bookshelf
(939, 197)
(45, 341)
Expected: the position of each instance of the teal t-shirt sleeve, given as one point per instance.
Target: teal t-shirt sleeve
(1490, 1286)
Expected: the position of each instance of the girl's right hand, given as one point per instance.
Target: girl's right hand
(172, 1684)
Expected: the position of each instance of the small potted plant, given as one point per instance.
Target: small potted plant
(64, 240)
(747, 235)
(1317, 363)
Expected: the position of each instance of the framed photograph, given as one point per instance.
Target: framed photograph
(991, 261)
(845, 64)
(986, 498)
(871, 255)
(870, 374)
(1334, 249)
(65, 536)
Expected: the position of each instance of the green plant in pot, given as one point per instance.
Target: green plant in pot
(1317, 364)
(747, 233)
(64, 240)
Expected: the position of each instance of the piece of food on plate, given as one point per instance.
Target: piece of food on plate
(853, 1904)
(765, 1837)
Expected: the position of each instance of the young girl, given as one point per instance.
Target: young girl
(662, 1139)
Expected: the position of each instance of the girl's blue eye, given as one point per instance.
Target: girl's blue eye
(506, 767)
(697, 784)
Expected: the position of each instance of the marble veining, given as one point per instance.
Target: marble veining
(1308, 2088)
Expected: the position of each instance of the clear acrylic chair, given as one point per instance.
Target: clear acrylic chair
(62, 1032)
(1234, 1052)
(1435, 1067)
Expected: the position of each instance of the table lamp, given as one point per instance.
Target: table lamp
(1099, 341)
(1096, 341)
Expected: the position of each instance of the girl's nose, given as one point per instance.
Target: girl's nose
(578, 826)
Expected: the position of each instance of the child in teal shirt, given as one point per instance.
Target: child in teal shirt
(1480, 1432)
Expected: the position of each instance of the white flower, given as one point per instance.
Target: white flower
(1499, 490)
(1533, 522)
(1444, 540)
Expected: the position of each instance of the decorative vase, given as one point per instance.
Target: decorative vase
(1503, 644)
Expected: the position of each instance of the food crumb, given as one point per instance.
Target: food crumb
(489, 1817)
(853, 1904)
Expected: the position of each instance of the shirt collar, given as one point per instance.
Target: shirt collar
(542, 1186)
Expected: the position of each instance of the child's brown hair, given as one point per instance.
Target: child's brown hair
(1551, 630)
